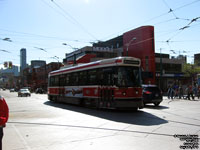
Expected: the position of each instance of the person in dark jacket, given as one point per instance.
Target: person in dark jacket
(190, 92)
(3, 117)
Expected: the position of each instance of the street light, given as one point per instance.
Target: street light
(173, 51)
(55, 57)
(128, 44)
(69, 46)
(7, 39)
(74, 53)
(4, 51)
(42, 49)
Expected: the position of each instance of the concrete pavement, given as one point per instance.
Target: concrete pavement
(31, 135)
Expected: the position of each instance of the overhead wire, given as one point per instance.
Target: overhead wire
(179, 41)
(186, 5)
(74, 20)
(156, 17)
(42, 36)
(86, 42)
(151, 19)
(170, 9)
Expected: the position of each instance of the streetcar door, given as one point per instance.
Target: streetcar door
(106, 98)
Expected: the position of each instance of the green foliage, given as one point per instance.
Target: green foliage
(191, 69)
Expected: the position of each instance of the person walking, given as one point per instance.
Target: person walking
(180, 92)
(190, 92)
(195, 88)
(172, 94)
(198, 92)
(4, 113)
(169, 92)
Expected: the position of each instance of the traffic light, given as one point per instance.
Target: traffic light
(5, 64)
(10, 64)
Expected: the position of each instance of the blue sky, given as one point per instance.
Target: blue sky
(41, 26)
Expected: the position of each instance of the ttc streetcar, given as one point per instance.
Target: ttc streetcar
(110, 83)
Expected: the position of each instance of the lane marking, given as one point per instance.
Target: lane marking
(22, 138)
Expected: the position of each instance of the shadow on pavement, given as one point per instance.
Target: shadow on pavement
(131, 117)
(155, 107)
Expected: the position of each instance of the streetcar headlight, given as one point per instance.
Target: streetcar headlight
(124, 93)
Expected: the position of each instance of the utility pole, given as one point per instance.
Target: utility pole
(161, 72)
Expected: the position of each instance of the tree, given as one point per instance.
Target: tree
(191, 70)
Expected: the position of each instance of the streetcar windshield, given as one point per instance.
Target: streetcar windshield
(128, 76)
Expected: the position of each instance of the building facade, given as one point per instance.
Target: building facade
(22, 59)
(9, 77)
(37, 77)
(37, 63)
(197, 59)
(89, 54)
(169, 71)
(156, 68)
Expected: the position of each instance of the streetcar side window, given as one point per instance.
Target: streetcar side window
(83, 78)
(62, 80)
(66, 79)
(100, 76)
(108, 76)
(92, 77)
(51, 82)
(75, 78)
(56, 82)
(70, 79)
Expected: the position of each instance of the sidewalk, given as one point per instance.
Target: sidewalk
(184, 98)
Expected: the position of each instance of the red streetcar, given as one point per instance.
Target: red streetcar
(110, 83)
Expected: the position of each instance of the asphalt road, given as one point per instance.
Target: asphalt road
(38, 124)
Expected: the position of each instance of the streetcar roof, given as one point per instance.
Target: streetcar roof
(99, 64)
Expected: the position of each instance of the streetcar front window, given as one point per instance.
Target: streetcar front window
(128, 77)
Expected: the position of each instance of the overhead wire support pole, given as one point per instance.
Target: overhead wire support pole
(161, 69)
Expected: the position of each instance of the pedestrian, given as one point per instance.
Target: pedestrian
(180, 92)
(176, 92)
(172, 93)
(190, 92)
(3, 117)
(195, 91)
(198, 92)
(169, 92)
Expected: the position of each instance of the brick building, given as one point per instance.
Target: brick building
(37, 77)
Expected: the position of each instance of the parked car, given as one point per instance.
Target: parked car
(40, 91)
(12, 90)
(152, 94)
(24, 92)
